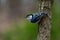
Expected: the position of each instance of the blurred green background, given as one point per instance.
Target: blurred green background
(55, 29)
(13, 24)
(21, 31)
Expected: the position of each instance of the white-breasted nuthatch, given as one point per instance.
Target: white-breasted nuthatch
(36, 16)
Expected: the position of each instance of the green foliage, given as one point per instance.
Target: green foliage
(22, 31)
(55, 31)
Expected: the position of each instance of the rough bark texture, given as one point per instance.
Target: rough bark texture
(45, 23)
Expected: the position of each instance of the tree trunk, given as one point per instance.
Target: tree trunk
(45, 23)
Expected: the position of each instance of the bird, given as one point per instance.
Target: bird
(35, 17)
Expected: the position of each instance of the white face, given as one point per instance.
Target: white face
(29, 17)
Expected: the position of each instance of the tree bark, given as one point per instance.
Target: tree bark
(44, 25)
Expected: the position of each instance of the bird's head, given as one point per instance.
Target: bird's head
(29, 17)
